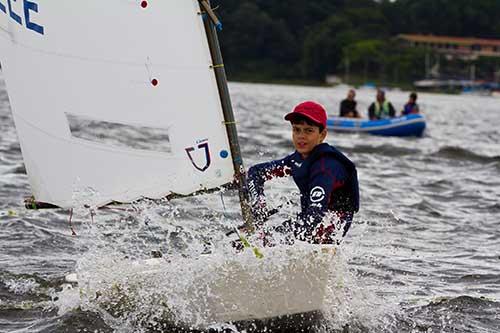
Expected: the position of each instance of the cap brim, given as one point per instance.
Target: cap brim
(290, 116)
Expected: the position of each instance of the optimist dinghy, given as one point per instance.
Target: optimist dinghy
(237, 290)
(74, 68)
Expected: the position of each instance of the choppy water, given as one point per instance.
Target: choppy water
(422, 256)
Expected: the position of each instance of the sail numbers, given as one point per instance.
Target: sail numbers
(28, 7)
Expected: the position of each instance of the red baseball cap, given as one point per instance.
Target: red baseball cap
(311, 110)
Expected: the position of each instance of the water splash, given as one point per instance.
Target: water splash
(132, 292)
(22, 286)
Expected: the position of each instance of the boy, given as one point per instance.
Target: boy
(327, 179)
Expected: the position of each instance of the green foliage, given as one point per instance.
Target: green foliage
(322, 48)
(268, 40)
(478, 18)
(257, 42)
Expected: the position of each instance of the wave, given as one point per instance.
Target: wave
(440, 184)
(18, 170)
(428, 207)
(13, 148)
(461, 154)
(464, 303)
(494, 208)
(15, 285)
(452, 314)
(3, 96)
(491, 278)
(385, 149)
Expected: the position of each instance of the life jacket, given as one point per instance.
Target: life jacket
(344, 198)
(410, 108)
(382, 111)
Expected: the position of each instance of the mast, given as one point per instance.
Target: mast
(227, 109)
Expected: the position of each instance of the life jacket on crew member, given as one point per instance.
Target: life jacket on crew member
(410, 108)
(382, 111)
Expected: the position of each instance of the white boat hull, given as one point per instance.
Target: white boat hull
(241, 290)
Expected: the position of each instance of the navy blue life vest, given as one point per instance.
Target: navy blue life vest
(343, 199)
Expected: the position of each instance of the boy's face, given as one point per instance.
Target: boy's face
(305, 137)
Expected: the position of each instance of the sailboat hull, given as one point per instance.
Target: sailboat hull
(241, 291)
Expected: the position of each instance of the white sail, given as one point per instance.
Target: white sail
(129, 66)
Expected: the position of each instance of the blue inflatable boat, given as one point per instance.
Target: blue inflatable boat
(410, 125)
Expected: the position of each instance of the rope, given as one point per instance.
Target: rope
(73, 233)
(222, 200)
(209, 11)
(243, 240)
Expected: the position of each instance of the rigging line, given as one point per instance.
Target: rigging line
(222, 200)
(211, 14)
(246, 244)
(73, 233)
(213, 9)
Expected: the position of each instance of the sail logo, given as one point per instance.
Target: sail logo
(6, 6)
(205, 155)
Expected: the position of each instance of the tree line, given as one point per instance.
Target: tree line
(305, 40)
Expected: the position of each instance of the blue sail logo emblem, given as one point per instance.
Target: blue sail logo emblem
(203, 146)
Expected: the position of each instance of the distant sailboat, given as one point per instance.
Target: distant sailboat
(74, 68)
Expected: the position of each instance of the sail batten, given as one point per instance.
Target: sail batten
(147, 69)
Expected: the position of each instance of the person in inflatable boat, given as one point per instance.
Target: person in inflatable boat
(326, 178)
(381, 108)
(411, 107)
(348, 106)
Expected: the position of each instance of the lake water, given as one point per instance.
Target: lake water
(423, 254)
